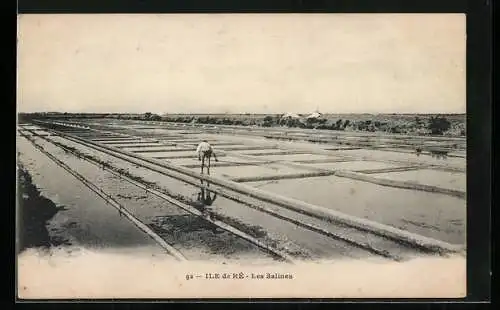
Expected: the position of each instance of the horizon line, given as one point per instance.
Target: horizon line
(234, 113)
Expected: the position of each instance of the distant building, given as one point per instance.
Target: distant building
(315, 115)
(290, 116)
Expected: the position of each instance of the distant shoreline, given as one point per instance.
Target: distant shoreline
(233, 114)
(452, 125)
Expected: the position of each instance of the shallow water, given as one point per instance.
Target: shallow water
(294, 157)
(138, 145)
(168, 154)
(195, 238)
(159, 148)
(425, 159)
(352, 165)
(195, 161)
(252, 171)
(221, 145)
(451, 180)
(287, 235)
(86, 219)
(427, 214)
(433, 215)
(116, 139)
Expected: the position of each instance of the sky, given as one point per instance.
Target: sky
(242, 63)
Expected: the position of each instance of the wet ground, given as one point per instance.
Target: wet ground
(286, 236)
(450, 180)
(74, 215)
(86, 220)
(353, 165)
(429, 214)
(425, 159)
(432, 215)
(34, 210)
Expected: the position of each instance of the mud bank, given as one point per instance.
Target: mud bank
(34, 211)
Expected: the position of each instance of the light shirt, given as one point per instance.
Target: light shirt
(203, 147)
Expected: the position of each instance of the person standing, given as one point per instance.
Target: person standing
(205, 151)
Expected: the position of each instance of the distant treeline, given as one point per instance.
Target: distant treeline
(450, 124)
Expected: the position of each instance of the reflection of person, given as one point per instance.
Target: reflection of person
(439, 154)
(205, 151)
(206, 198)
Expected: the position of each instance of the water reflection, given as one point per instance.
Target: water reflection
(439, 154)
(205, 199)
(434, 153)
(205, 195)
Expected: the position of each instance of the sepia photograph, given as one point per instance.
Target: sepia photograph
(241, 156)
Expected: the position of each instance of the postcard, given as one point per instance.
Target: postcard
(205, 156)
